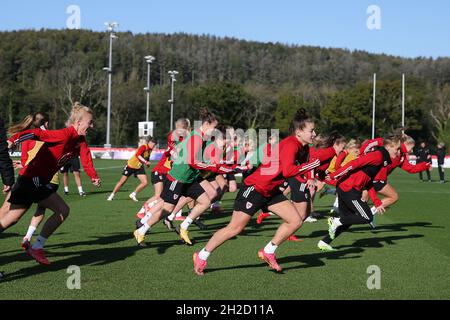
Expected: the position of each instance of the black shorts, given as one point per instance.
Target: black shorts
(250, 201)
(230, 176)
(54, 186)
(157, 177)
(27, 191)
(211, 177)
(378, 185)
(299, 191)
(128, 172)
(73, 166)
(207, 175)
(284, 186)
(351, 203)
(174, 190)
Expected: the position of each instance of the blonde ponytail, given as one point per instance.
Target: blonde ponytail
(78, 111)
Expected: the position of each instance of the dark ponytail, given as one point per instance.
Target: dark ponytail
(207, 116)
(300, 120)
(335, 138)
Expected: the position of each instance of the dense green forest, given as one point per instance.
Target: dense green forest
(248, 84)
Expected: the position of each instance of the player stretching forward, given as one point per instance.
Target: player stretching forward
(183, 180)
(32, 184)
(135, 167)
(381, 184)
(182, 129)
(353, 178)
(29, 150)
(261, 189)
(351, 152)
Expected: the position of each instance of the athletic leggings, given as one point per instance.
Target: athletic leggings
(352, 210)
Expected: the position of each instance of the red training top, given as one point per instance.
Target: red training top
(359, 174)
(60, 147)
(279, 166)
(165, 164)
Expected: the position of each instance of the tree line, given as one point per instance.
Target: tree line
(247, 84)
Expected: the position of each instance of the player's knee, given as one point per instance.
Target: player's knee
(394, 197)
(296, 222)
(64, 211)
(204, 200)
(236, 229)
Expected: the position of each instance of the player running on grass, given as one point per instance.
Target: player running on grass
(261, 189)
(351, 152)
(32, 184)
(381, 184)
(212, 155)
(353, 179)
(182, 129)
(326, 150)
(29, 150)
(183, 180)
(135, 166)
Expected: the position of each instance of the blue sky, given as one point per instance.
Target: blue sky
(408, 28)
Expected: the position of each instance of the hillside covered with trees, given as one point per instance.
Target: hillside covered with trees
(248, 84)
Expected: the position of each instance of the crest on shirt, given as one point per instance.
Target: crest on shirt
(385, 163)
(248, 205)
(175, 197)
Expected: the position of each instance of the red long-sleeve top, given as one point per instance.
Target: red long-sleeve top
(325, 155)
(165, 163)
(402, 162)
(339, 159)
(195, 156)
(280, 165)
(399, 161)
(59, 148)
(369, 145)
(359, 174)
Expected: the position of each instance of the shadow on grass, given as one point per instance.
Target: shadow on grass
(111, 254)
(308, 260)
(397, 227)
(8, 235)
(89, 257)
(313, 260)
(98, 192)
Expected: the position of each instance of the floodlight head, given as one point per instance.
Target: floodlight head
(106, 69)
(149, 59)
(111, 26)
(172, 74)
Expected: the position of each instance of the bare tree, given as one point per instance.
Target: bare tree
(441, 115)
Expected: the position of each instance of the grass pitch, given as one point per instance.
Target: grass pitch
(409, 245)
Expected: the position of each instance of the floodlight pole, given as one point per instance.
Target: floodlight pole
(149, 60)
(172, 74)
(111, 27)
